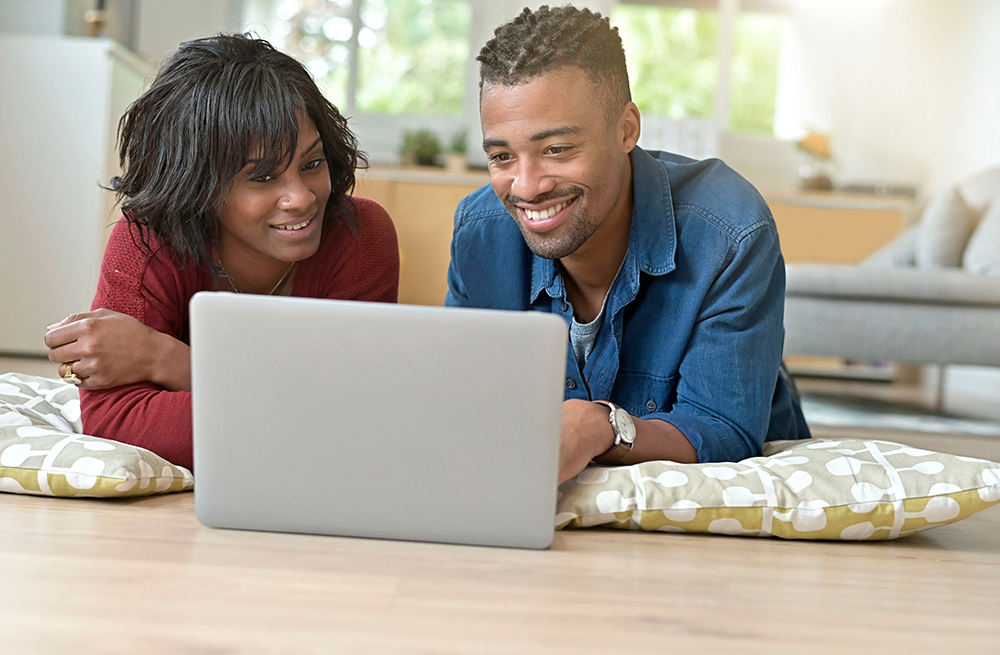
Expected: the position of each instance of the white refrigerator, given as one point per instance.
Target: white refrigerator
(60, 102)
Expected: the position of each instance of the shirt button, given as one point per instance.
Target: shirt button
(651, 405)
(565, 307)
(570, 383)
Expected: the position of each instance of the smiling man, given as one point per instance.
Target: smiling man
(668, 270)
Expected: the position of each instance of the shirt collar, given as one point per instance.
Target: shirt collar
(652, 241)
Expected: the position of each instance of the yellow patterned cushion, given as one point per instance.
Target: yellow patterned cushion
(812, 489)
(42, 451)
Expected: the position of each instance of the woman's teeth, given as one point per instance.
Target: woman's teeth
(532, 215)
(292, 227)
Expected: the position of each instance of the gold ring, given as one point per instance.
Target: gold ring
(70, 376)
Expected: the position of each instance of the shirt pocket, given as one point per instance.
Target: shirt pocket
(641, 394)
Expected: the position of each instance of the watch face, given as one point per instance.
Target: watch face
(626, 428)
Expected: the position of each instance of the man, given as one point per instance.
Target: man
(667, 269)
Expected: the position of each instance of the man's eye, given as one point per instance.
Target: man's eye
(500, 157)
(558, 150)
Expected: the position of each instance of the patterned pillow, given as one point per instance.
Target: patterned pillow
(42, 451)
(811, 489)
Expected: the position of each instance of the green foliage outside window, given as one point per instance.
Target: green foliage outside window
(671, 57)
(674, 68)
(416, 62)
(755, 73)
(412, 54)
(318, 34)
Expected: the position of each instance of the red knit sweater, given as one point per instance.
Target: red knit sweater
(156, 291)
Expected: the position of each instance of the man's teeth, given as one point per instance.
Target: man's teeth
(292, 227)
(545, 213)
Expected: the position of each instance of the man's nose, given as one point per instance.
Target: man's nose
(531, 179)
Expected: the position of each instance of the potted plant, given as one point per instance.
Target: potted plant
(815, 170)
(455, 161)
(420, 147)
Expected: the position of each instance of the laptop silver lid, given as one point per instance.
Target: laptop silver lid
(376, 420)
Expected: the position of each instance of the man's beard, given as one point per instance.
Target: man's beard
(576, 228)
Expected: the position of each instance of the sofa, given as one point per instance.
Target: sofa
(932, 296)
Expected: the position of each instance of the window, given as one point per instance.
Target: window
(698, 68)
(672, 59)
(754, 72)
(702, 62)
(382, 56)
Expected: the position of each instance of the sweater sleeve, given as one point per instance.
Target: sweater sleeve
(150, 288)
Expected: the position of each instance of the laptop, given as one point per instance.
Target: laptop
(376, 420)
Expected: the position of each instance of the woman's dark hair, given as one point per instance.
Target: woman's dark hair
(539, 42)
(216, 103)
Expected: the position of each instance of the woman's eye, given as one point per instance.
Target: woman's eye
(314, 164)
(261, 178)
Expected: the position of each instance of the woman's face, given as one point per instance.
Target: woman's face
(270, 221)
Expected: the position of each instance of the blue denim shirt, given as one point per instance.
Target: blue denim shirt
(693, 329)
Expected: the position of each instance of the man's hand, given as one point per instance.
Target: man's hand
(586, 433)
(109, 349)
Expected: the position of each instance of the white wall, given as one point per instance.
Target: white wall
(34, 17)
(974, 134)
(908, 89)
(162, 25)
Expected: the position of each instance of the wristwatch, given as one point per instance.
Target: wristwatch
(624, 427)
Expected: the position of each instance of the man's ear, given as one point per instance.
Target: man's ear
(629, 126)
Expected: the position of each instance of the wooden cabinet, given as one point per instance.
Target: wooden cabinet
(422, 205)
(813, 227)
(835, 227)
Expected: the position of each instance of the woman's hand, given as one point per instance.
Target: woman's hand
(108, 349)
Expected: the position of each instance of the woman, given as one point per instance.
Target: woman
(236, 178)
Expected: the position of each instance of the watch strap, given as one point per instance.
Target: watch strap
(617, 452)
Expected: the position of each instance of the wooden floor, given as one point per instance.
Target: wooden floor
(92, 576)
(143, 576)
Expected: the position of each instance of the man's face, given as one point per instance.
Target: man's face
(557, 164)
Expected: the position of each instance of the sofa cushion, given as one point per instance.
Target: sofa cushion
(980, 190)
(901, 252)
(945, 227)
(904, 285)
(982, 255)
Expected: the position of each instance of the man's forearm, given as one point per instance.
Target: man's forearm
(656, 439)
(587, 433)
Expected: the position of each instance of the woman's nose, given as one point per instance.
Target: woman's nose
(296, 195)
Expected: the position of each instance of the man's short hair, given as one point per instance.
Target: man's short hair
(544, 41)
